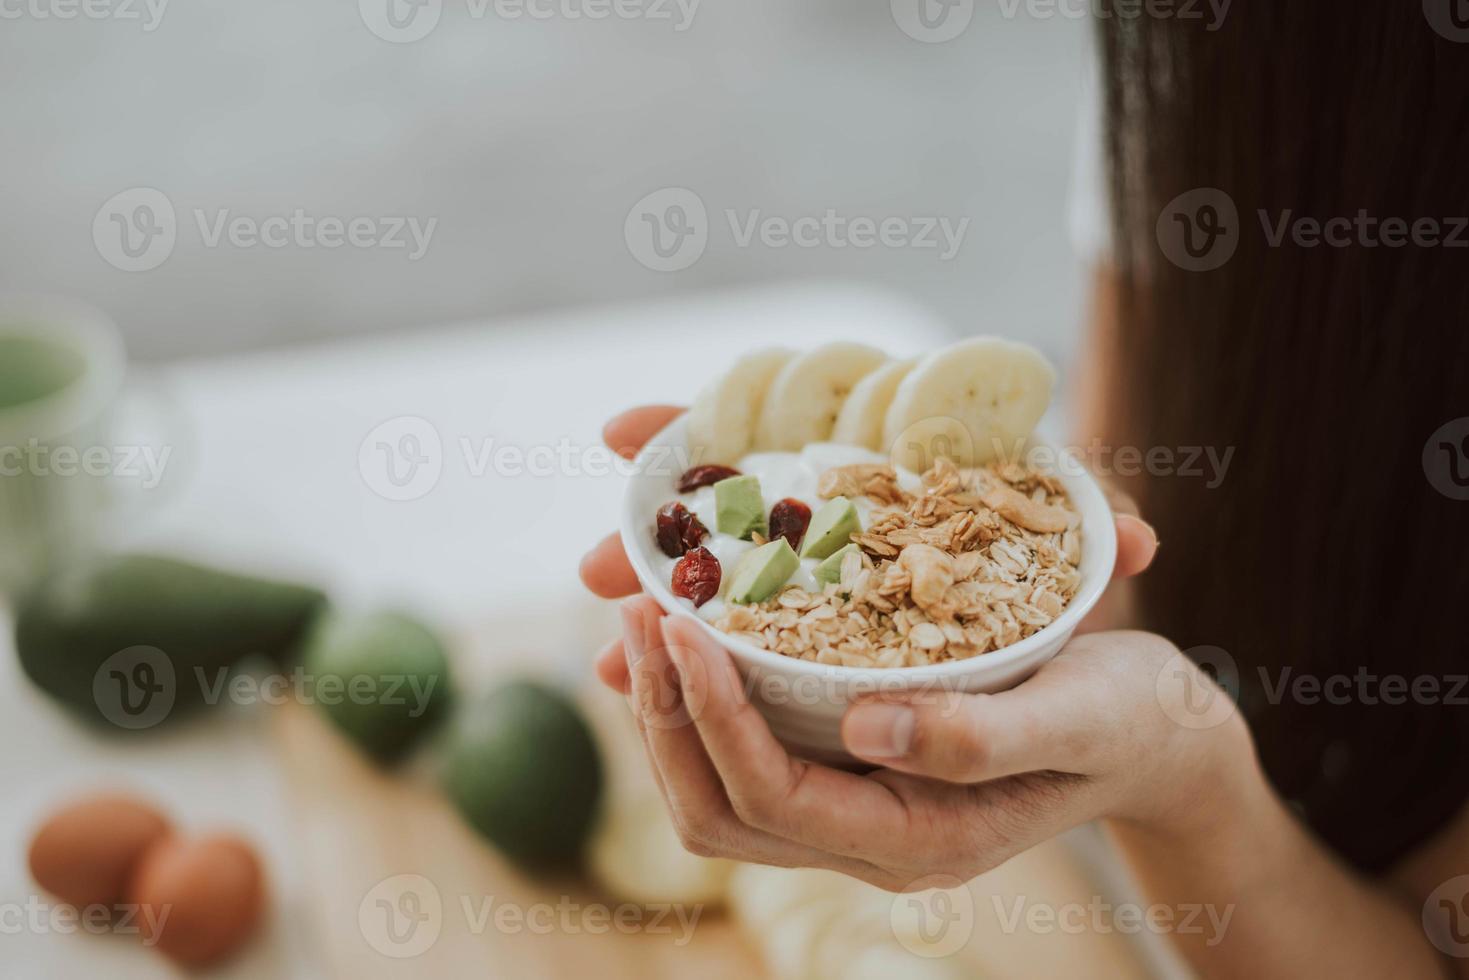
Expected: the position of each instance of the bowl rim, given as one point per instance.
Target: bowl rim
(1086, 494)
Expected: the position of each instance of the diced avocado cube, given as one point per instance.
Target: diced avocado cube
(829, 572)
(761, 572)
(739, 510)
(831, 527)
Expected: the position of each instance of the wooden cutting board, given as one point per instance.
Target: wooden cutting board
(383, 851)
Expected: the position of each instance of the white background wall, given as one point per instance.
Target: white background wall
(529, 140)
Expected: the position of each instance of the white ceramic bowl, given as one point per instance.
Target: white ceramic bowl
(804, 701)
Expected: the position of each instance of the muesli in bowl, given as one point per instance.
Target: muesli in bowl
(860, 564)
(860, 524)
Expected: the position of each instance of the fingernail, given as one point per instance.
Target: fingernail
(880, 731)
(634, 634)
(1143, 524)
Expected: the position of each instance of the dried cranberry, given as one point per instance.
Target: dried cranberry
(702, 476)
(678, 529)
(696, 576)
(789, 519)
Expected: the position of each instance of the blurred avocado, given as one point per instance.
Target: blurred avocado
(523, 769)
(382, 678)
(194, 620)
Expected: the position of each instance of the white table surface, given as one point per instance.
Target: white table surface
(265, 475)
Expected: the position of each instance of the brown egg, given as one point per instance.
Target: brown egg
(199, 898)
(85, 853)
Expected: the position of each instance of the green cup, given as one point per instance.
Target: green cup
(61, 372)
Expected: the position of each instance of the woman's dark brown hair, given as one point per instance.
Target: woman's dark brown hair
(1331, 547)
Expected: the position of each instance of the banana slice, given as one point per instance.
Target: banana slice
(722, 421)
(806, 396)
(860, 421)
(972, 402)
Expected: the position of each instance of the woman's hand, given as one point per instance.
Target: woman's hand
(967, 780)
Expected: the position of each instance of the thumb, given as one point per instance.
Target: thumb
(960, 738)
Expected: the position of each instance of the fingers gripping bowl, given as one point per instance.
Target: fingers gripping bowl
(823, 558)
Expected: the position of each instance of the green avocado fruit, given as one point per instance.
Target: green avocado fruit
(831, 527)
(382, 678)
(739, 510)
(759, 574)
(523, 769)
(190, 622)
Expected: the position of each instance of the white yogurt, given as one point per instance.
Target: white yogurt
(781, 475)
